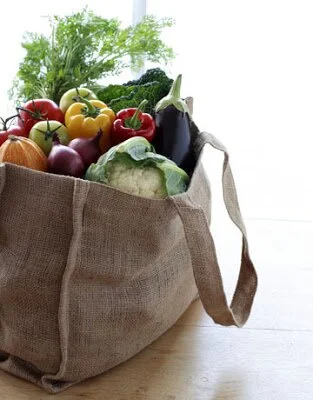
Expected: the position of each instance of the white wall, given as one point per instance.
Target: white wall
(249, 65)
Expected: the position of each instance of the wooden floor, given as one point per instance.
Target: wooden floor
(271, 358)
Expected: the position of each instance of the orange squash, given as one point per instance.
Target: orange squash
(23, 151)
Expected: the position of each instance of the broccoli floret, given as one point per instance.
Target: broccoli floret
(110, 92)
(151, 75)
(118, 97)
(152, 91)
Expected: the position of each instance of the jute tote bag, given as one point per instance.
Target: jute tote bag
(89, 275)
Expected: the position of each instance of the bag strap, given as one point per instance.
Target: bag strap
(203, 253)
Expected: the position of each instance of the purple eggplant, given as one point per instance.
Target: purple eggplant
(173, 136)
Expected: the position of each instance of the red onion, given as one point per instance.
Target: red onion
(88, 149)
(63, 160)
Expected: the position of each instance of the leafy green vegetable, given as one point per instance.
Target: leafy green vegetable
(134, 167)
(151, 75)
(82, 49)
(153, 86)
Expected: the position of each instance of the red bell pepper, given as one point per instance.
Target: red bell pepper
(132, 122)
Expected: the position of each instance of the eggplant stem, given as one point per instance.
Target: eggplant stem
(175, 89)
(173, 98)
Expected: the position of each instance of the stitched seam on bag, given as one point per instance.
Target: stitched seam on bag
(81, 194)
(3, 180)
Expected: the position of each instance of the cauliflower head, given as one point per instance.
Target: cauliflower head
(134, 167)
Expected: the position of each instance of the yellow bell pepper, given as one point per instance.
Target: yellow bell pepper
(87, 117)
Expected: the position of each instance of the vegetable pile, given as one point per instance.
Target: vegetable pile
(108, 138)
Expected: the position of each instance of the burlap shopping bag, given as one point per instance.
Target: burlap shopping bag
(89, 275)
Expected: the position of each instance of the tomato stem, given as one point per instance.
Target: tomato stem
(49, 133)
(34, 114)
(5, 122)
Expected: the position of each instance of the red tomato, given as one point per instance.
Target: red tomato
(10, 129)
(38, 110)
(13, 130)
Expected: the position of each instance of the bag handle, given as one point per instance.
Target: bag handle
(203, 253)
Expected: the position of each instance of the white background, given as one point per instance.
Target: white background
(249, 66)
